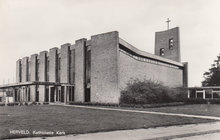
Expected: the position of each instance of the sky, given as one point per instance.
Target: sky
(30, 26)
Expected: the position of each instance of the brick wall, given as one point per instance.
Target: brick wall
(64, 71)
(104, 68)
(42, 66)
(132, 68)
(24, 73)
(42, 74)
(162, 41)
(18, 74)
(80, 70)
(33, 69)
(53, 64)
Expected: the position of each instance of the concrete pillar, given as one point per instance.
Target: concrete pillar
(22, 94)
(212, 93)
(33, 67)
(185, 74)
(25, 94)
(72, 64)
(65, 67)
(105, 68)
(32, 93)
(42, 93)
(18, 71)
(203, 93)
(42, 66)
(65, 99)
(80, 70)
(188, 95)
(196, 94)
(49, 94)
(13, 93)
(42, 74)
(53, 58)
(24, 71)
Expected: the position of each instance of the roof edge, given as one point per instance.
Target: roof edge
(143, 53)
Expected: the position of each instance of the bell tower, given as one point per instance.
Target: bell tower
(167, 44)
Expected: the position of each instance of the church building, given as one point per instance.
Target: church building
(96, 69)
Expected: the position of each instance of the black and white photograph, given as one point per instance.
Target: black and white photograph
(110, 69)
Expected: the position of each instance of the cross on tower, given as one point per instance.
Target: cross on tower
(168, 21)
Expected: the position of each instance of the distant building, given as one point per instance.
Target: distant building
(2, 96)
(6, 96)
(96, 70)
(206, 93)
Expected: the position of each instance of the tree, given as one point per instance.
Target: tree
(212, 77)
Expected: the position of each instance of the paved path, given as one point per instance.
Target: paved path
(146, 112)
(212, 136)
(171, 132)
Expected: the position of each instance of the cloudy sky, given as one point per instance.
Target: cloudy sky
(31, 26)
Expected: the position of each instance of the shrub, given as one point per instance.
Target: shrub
(32, 103)
(152, 105)
(25, 103)
(92, 103)
(12, 104)
(45, 103)
(179, 94)
(150, 92)
(38, 103)
(202, 101)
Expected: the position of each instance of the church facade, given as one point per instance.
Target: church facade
(96, 70)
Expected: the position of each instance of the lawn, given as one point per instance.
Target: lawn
(71, 120)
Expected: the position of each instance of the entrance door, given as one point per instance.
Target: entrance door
(87, 95)
(71, 93)
(37, 96)
(16, 96)
(62, 93)
(52, 89)
(47, 94)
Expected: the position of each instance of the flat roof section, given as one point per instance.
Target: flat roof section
(210, 87)
(26, 84)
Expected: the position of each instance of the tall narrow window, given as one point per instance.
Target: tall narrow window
(47, 68)
(69, 66)
(59, 66)
(88, 66)
(48, 64)
(73, 66)
(37, 70)
(20, 71)
(162, 52)
(59, 63)
(56, 66)
(29, 71)
(171, 44)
